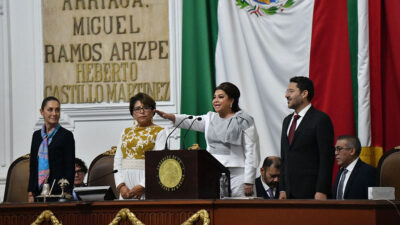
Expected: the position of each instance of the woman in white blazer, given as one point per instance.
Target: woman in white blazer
(231, 137)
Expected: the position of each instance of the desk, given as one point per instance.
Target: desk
(222, 212)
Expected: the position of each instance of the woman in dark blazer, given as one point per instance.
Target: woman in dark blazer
(52, 152)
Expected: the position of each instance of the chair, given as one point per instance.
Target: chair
(389, 167)
(17, 180)
(100, 170)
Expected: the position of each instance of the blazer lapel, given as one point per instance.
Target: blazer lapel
(286, 126)
(303, 123)
(351, 178)
(335, 186)
(260, 188)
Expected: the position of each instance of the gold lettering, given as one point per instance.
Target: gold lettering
(80, 73)
(161, 51)
(152, 47)
(124, 65)
(111, 92)
(139, 2)
(88, 72)
(99, 93)
(131, 89)
(64, 91)
(115, 4)
(132, 28)
(126, 5)
(120, 22)
(107, 72)
(90, 4)
(47, 90)
(74, 51)
(133, 71)
(122, 95)
(49, 51)
(89, 98)
(82, 4)
(126, 49)
(115, 72)
(142, 44)
(62, 54)
(78, 27)
(98, 72)
(95, 32)
(115, 53)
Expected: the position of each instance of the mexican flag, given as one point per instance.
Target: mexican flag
(348, 48)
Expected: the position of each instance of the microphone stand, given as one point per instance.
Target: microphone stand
(102, 176)
(187, 131)
(166, 140)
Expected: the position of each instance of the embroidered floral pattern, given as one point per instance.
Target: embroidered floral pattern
(137, 140)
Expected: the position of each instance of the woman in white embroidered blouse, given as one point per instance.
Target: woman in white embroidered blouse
(143, 136)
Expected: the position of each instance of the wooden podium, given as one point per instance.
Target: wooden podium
(182, 174)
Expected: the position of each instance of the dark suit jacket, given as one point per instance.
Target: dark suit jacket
(61, 160)
(308, 161)
(362, 177)
(261, 192)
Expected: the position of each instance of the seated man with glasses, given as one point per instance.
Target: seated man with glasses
(355, 176)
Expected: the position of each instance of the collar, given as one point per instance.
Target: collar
(351, 166)
(303, 112)
(266, 187)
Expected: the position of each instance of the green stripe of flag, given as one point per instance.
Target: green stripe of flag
(199, 38)
(353, 44)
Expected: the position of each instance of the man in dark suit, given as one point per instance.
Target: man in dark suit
(306, 146)
(267, 185)
(355, 176)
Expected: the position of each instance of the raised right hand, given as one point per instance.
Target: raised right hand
(168, 116)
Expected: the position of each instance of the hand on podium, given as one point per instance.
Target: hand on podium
(137, 191)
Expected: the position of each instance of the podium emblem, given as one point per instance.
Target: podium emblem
(170, 173)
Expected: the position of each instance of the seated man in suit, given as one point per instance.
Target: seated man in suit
(267, 183)
(355, 176)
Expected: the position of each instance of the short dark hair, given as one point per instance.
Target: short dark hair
(81, 164)
(352, 142)
(304, 83)
(232, 91)
(146, 99)
(269, 161)
(47, 99)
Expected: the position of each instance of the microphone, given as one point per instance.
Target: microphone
(166, 140)
(102, 176)
(187, 131)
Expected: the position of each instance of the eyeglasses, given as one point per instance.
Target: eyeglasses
(144, 108)
(79, 172)
(338, 148)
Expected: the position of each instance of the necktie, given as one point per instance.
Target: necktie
(341, 184)
(293, 128)
(270, 193)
